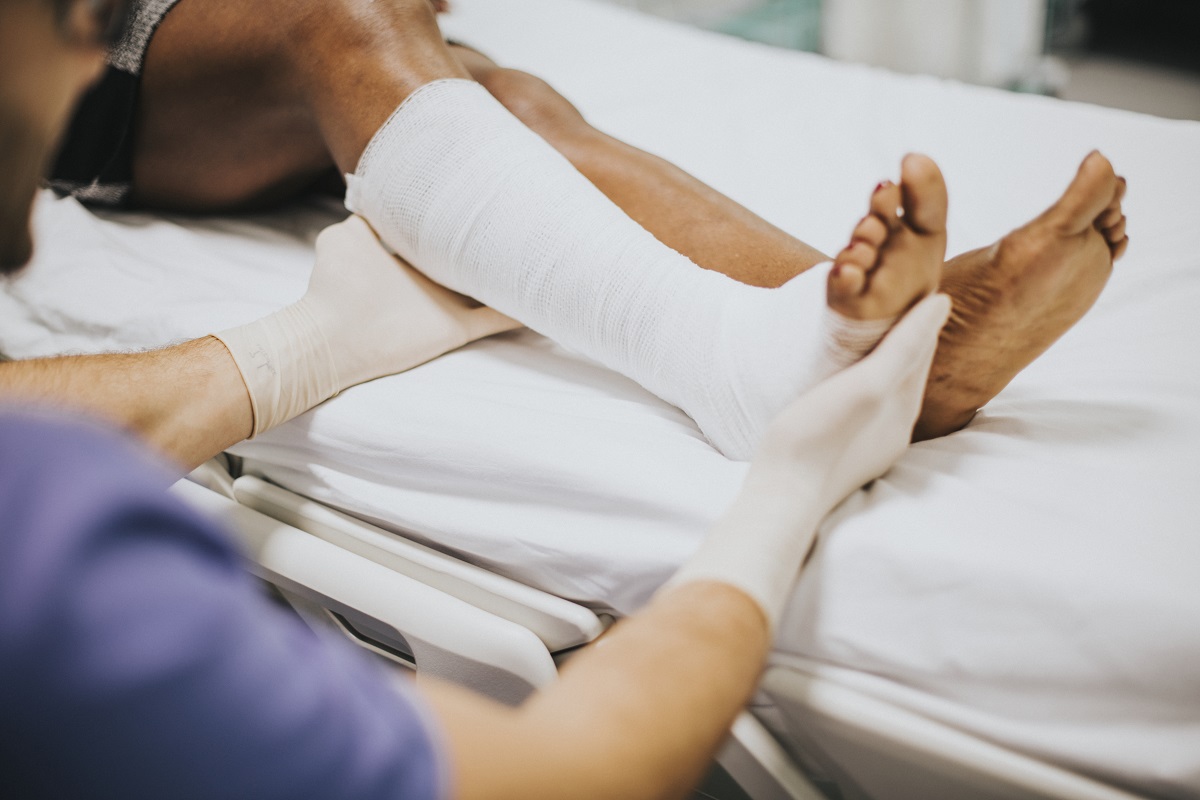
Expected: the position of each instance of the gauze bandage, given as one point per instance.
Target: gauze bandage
(463, 190)
(843, 433)
(365, 314)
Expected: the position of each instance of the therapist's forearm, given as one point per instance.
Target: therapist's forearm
(640, 714)
(187, 401)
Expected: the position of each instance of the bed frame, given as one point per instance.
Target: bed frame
(439, 616)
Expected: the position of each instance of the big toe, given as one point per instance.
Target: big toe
(1091, 192)
(924, 194)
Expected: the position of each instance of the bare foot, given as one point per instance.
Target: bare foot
(895, 253)
(1016, 298)
(766, 354)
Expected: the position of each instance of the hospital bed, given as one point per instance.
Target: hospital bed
(1013, 611)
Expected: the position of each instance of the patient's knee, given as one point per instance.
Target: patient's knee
(365, 18)
(345, 36)
(536, 103)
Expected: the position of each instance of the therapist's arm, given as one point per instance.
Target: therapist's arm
(187, 401)
(366, 314)
(641, 713)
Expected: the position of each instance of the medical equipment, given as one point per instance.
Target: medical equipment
(1019, 597)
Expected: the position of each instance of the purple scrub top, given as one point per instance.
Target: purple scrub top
(139, 660)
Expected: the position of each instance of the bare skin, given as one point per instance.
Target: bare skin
(188, 401)
(239, 110)
(894, 259)
(1013, 300)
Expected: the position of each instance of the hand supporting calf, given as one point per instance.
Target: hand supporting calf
(366, 314)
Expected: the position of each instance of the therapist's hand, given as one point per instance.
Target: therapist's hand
(839, 435)
(366, 314)
(379, 314)
(658, 694)
(851, 428)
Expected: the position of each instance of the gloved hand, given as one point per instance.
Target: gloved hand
(846, 431)
(366, 314)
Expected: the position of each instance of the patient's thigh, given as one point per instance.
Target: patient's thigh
(218, 125)
(242, 103)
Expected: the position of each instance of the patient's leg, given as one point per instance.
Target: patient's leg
(240, 110)
(683, 213)
(1012, 300)
(460, 187)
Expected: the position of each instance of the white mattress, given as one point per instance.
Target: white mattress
(1034, 579)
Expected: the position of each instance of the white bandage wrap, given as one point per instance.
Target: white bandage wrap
(286, 363)
(460, 188)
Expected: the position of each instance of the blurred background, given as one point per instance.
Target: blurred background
(1142, 55)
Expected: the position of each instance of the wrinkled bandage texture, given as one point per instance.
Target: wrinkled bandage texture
(460, 188)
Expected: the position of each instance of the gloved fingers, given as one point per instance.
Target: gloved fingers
(909, 347)
(901, 360)
(912, 385)
(477, 321)
(882, 393)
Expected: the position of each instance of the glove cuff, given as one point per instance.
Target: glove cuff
(286, 364)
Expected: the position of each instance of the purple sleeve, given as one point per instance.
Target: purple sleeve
(137, 659)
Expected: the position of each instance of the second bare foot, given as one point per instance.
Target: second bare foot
(1016, 298)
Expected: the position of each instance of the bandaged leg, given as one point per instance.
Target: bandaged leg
(456, 185)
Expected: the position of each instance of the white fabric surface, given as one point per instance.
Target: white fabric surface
(1034, 579)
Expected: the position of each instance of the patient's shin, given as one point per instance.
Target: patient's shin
(460, 188)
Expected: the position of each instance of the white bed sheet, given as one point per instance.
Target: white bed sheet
(1034, 579)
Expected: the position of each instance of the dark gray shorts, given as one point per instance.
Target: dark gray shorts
(95, 162)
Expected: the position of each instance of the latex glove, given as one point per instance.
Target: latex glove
(366, 314)
(845, 432)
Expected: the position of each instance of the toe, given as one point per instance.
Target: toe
(1090, 193)
(858, 254)
(885, 204)
(1118, 249)
(1110, 217)
(1116, 232)
(1114, 213)
(924, 194)
(871, 230)
(1122, 187)
(846, 282)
